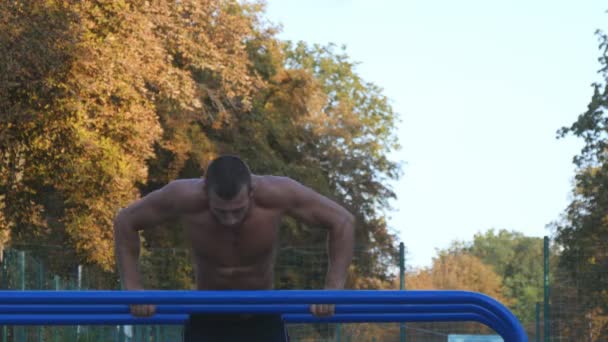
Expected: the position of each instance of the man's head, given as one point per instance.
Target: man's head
(228, 186)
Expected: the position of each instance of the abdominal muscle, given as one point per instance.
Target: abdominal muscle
(234, 259)
(210, 276)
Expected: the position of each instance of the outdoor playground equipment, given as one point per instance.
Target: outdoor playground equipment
(173, 307)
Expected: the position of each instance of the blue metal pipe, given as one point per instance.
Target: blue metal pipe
(16, 309)
(91, 319)
(103, 319)
(514, 330)
(389, 318)
(231, 308)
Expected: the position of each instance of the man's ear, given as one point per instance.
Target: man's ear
(251, 190)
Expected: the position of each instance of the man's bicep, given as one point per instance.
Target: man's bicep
(312, 207)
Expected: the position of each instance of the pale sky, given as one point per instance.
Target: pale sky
(481, 87)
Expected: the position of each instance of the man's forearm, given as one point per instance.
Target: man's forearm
(126, 247)
(341, 244)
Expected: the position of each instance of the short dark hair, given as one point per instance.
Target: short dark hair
(226, 175)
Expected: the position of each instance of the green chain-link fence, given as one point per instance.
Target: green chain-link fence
(162, 269)
(578, 295)
(302, 268)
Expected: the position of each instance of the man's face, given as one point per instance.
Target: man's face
(232, 212)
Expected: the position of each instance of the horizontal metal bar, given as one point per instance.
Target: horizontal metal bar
(127, 319)
(250, 309)
(502, 317)
(235, 308)
(91, 319)
(389, 318)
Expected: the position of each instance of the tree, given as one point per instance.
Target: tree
(582, 232)
(353, 135)
(104, 101)
(518, 259)
(458, 271)
(76, 127)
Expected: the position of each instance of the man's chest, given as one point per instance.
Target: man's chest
(254, 239)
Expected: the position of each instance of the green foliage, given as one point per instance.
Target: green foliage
(583, 231)
(104, 101)
(77, 127)
(353, 133)
(458, 270)
(518, 259)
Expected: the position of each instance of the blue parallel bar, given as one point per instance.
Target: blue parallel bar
(234, 308)
(254, 309)
(514, 331)
(393, 318)
(127, 319)
(92, 319)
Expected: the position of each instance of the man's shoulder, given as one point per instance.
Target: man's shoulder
(270, 180)
(271, 191)
(185, 184)
(185, 189)
(271, 184)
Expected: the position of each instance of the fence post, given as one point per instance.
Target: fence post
(20, 331)
(4, 285)
(57, 285)
(537, 333)
(78, 287)
(546, 315)
(117, 333)
(402, 285)
(22, 270)
(41, 286)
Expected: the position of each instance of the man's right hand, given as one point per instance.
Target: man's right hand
(145, 310)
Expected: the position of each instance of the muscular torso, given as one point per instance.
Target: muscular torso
(239, 257)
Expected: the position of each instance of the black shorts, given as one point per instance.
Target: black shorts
(234, 328)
